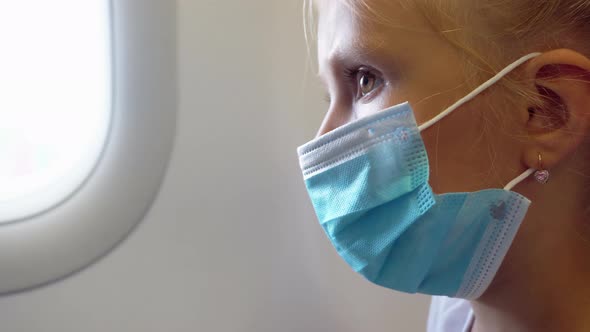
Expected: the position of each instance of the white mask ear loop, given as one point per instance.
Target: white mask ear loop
(519, 179)
(477, 91)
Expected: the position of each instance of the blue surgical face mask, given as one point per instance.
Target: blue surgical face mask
(368, 182)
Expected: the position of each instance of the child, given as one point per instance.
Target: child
(454, 157)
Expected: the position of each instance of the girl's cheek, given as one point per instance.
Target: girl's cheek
(382, 100)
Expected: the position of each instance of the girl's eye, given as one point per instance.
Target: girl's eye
(366, 83)
(363, 81)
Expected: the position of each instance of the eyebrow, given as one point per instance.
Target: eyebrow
(356, 53)
(369, 49)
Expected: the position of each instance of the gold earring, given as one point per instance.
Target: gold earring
(541, 175)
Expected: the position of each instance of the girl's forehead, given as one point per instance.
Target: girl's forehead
(376, 27)
(370, 17)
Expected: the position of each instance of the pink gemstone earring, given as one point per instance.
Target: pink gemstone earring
(541, 175)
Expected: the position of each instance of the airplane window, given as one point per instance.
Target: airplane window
(55, 100)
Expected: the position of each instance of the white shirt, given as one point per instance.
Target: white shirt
(450, 315)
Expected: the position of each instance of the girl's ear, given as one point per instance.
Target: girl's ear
(559, 123)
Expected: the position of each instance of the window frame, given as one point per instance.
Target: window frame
(124, 184)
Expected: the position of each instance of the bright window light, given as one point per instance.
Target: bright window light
(55, 100)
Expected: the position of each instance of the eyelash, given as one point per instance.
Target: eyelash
(352, 75)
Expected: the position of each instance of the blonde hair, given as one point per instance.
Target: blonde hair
(492, 33)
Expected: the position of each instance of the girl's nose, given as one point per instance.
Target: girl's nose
(337, 116)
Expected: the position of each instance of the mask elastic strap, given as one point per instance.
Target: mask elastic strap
(477, 91)
(519, 179)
